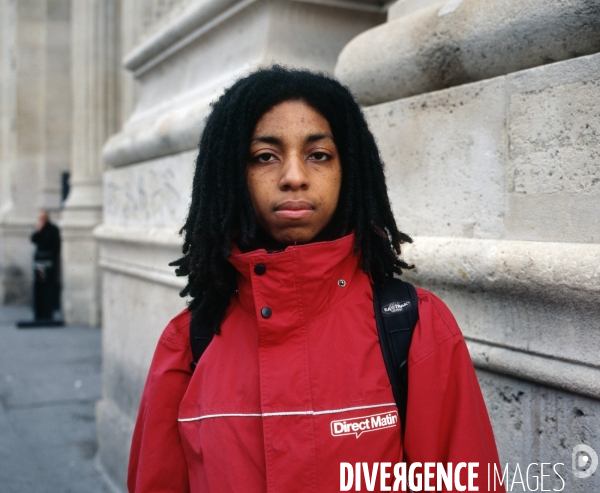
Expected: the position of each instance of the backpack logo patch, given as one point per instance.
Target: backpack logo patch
(395, 307)
(364, 424)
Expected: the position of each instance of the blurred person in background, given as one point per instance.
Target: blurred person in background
(46, 266)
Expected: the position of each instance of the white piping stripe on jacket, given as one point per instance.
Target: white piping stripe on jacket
(284, 413)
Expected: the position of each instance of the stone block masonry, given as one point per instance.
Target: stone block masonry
(498, 181)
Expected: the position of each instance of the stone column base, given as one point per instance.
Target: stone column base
(81, 280)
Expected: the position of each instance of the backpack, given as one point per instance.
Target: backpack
(396, 315)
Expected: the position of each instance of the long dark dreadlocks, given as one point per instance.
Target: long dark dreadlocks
(221, 212)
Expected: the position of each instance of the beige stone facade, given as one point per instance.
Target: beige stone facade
(493, 167)
(96, 111)
(487, 115)
(35, 131)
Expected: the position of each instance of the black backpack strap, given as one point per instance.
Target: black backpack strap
(396, 314)
(200, 337)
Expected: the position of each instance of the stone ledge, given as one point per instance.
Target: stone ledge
(17, 226)
(204, 16)
(121, 253)
(520, 267)
(173, 131)
(164, 237)
(77, 228)
(457, 42)
(142, 272)
(571, 376)
(372, 6)
(192, 23)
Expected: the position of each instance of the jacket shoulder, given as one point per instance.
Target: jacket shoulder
(436, 329)
(177, 330)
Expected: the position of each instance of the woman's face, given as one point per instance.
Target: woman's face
(293, 173)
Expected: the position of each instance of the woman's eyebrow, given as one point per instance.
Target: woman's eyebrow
(315, 137)
(267, 139)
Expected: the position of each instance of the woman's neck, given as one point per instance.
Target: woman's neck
(262, 240)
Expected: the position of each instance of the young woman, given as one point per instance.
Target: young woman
(289, 226)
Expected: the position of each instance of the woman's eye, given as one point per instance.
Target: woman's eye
(320, 156)
(265, 157)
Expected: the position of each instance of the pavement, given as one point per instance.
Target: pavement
(50, 380)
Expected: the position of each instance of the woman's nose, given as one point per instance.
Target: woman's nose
(294, 174)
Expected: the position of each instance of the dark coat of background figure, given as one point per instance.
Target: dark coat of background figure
(46, 266)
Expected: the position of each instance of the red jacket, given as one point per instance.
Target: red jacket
(272, 403)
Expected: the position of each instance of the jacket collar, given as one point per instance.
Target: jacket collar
(300, 281)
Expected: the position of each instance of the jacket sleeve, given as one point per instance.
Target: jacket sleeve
(446, 420)
(157, 462)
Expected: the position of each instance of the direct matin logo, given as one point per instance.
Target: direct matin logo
(584, 461)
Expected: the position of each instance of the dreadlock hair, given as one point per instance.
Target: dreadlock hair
(221, 211)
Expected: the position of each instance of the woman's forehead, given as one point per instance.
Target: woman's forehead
(293, 116)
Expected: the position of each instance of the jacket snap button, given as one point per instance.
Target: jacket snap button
(266, 312)
(341, 283)
(260, 269)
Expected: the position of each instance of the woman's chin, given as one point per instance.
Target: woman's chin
(293, 236)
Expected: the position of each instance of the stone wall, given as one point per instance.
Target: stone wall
(96, 114)
(35, 130)
(498, 181)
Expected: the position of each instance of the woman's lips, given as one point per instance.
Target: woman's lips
(294, 209)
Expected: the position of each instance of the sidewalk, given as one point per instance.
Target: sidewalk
(50, 380)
